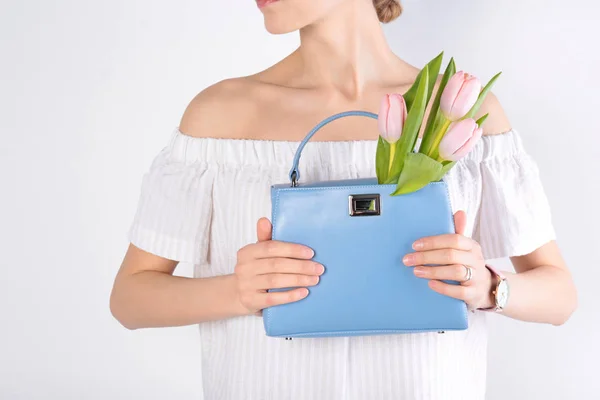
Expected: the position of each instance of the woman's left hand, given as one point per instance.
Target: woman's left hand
(453, 255)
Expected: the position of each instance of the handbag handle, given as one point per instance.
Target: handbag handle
(295, 172)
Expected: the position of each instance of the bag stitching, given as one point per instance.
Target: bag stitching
(329, 333)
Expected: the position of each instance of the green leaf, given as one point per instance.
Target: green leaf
(392, 179)
(407, 141)
(433, 69)
(481, 97)
(433, 120)
(419, 170)
(437, 124)
(440, 131)
(382, 158)
(446, 166)
(481, 120)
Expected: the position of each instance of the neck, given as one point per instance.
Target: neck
(347, 50)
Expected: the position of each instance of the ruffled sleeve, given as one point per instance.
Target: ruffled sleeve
(515, 215)
(175, 205)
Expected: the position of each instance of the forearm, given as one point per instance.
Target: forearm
(545, 294)
(154, 299)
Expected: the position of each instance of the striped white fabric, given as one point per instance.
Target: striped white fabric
(200, 202)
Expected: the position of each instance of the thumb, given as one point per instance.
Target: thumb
(460, 222)
(263, 230)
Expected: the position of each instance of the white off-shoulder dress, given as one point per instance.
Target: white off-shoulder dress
(199, 204)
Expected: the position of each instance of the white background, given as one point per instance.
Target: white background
(91, 90)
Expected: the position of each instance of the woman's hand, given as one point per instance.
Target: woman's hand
(270, 264)
(453, 255)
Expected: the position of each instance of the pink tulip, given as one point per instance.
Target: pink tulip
(460, 95)
(392, 115)
(459, 140)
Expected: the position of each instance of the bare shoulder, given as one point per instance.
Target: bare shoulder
(497, 121)
(210, 113)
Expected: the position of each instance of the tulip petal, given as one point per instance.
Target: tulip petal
(450, 93)
(396, 118)
(392, 115)
(467, 97)
(384, 109)
(457, 136)
(468, 146)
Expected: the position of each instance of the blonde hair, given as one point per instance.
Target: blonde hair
(387, 10)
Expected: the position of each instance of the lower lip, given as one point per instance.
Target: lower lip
(265, 3)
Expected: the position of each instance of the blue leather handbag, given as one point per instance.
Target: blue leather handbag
(360, 233)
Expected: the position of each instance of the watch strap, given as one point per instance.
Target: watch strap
(501, 277)
(495, 271)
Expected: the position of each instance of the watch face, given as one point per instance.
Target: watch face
(502, 294)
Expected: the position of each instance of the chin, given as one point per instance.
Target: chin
(285, 16)
(278, 24)
(280, 29)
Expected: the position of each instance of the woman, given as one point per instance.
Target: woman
(205, 192)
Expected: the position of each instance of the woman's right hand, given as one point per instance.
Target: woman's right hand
(269, 264)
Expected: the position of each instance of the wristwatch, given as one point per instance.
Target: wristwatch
(500, 292)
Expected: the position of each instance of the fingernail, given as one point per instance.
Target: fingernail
(408, 259)
(320, 269)
(418, 245)
(420, 271)
(314, 280)
(310, 253)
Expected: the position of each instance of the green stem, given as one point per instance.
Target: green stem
(434, 151)
(392, 152)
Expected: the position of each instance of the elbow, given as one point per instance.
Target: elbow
(570, 304)
(119, 309)
(566, 316)
(563, 318)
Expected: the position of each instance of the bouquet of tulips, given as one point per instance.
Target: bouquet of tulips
(450, 131)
